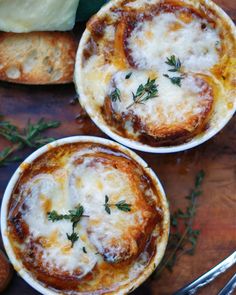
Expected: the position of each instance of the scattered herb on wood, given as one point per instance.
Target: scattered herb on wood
(74, 216)
(6, 156)
(183, 237)
(115, 95)
(30, 136)
(175, 64)
(145, 92)
(121, 205)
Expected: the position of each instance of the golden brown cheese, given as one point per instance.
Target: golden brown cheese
(113, 249)
(130, 42)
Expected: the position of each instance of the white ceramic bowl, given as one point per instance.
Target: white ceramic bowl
(221, 114)
(25, 274)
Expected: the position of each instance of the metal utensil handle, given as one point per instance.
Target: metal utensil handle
(208, 276)
(229, 287)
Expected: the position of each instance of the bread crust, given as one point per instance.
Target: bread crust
(37, 57)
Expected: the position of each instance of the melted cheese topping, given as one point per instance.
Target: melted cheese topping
(151, 42)
(145, 34)
(84, 174)
(55, 248)
(172, 105)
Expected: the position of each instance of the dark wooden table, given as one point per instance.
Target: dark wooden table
(216, 214)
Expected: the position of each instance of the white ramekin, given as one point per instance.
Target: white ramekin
(75, 139)
(99, 121)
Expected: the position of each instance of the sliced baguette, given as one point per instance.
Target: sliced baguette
(37, 57)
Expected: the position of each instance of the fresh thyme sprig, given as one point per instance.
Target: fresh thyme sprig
(145, 92)
(115, 95)
(183, 238)
(175, 64)
(74, 216)
(121, 205)
(30, 136)
(6, 156)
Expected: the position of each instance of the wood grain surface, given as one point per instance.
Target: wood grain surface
(216, 213)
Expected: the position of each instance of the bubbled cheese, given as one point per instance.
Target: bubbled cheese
(151, 42)
(171, 105)
(45, 193)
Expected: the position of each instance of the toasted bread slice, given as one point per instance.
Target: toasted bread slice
(37, 57)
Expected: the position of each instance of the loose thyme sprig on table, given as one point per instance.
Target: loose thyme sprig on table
(30, 136)
(121, 205)
(183, 237)
(145, 92)
(175, 64)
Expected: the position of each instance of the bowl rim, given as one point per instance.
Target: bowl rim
(101, 124)
(23, 272)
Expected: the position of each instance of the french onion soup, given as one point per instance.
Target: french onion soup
(87, 218)
(158, 72)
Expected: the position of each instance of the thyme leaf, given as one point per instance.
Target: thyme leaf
(54, 216)
(106, 205)
(175, 80)
(145, 92)
(115, 95)
(128, 75)
(73, 238)
(183, 237)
